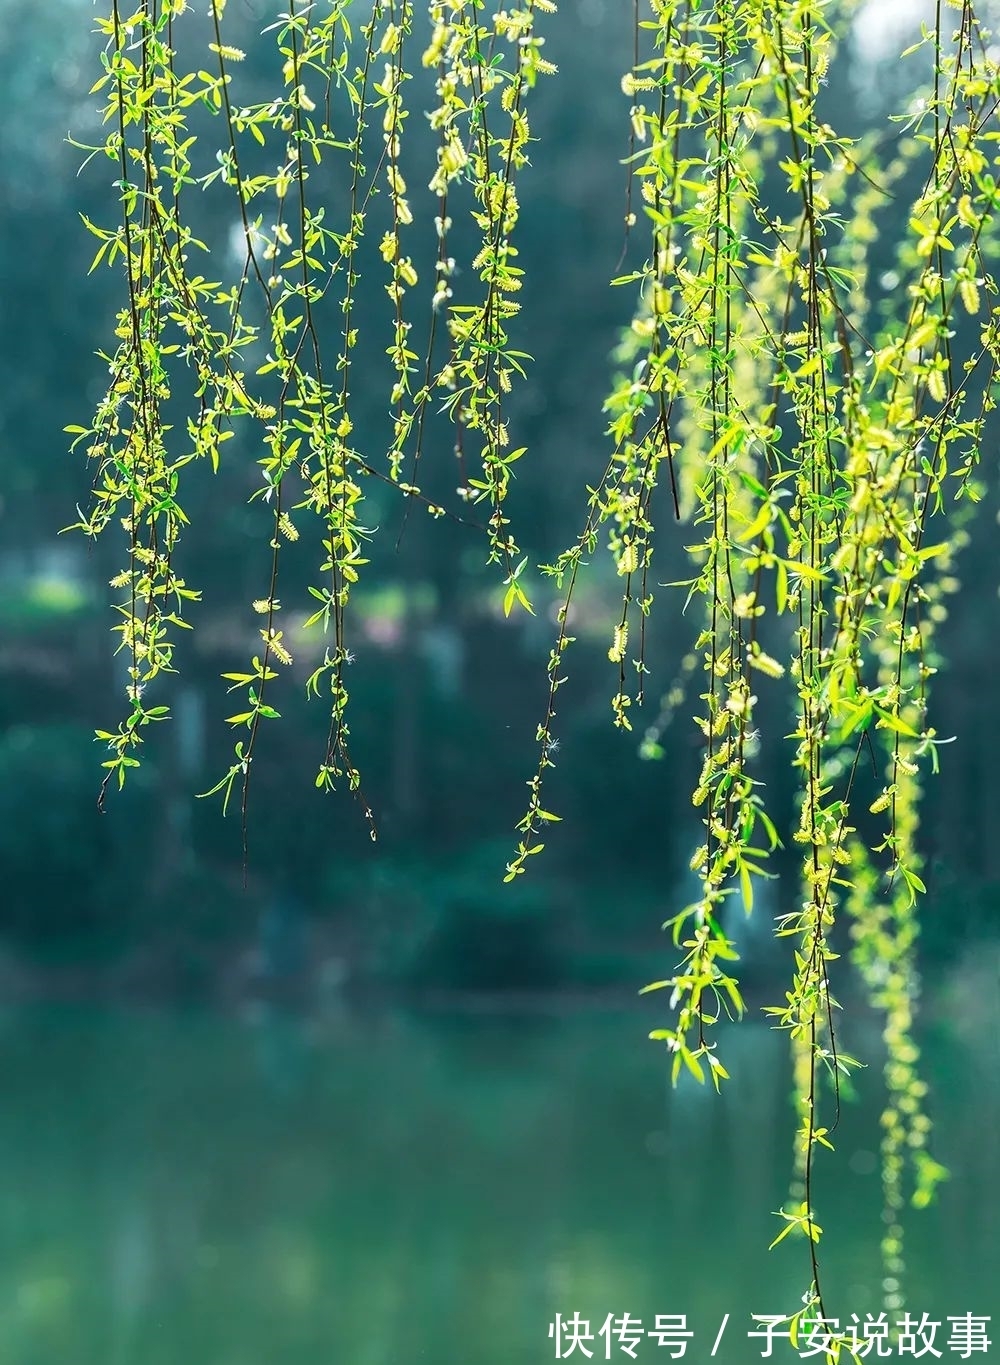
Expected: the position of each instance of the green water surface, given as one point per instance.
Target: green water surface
(190, 1188)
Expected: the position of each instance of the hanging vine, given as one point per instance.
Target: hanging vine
(817, 506)
(817, 442)
(299, 266)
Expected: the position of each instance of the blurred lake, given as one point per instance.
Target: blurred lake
(352, 1189)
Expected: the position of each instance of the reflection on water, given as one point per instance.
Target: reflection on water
(188, 1188)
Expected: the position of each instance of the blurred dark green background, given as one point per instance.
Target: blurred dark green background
(446, 692)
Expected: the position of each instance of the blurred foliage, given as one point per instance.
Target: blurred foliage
(454, 926)
(53, 843)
